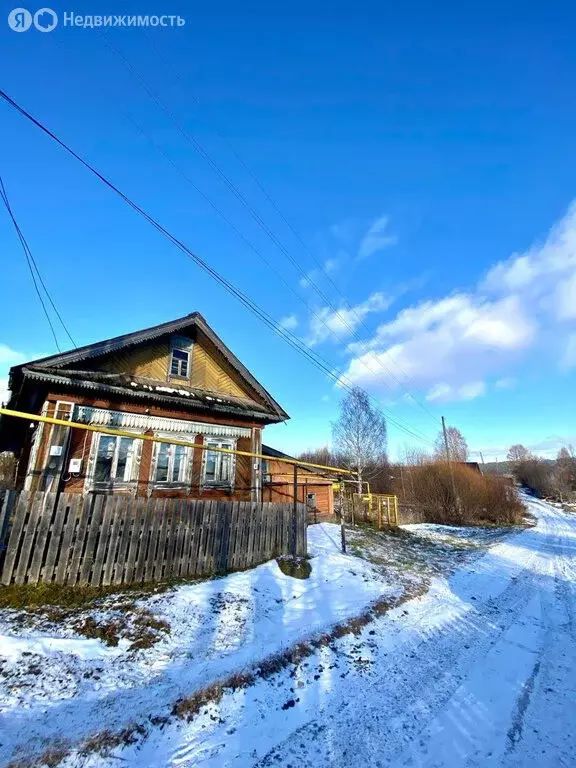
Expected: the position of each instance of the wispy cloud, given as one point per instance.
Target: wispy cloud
(464, 339)
(8, 358)
(506, 383)
(444, 392)
(343, 322)
(376, 238)
(289, 323)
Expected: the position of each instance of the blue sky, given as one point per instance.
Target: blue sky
(423, 154)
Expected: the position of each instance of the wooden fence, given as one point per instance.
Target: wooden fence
(103, 540)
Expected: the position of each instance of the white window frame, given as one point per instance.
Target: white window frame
(91, 484)
(220, 442)
(172, 358)
(185, 469)
(184, 345)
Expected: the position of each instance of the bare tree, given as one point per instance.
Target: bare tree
(518, 452)
(565, 472)
(7, 469)
(359, 435)
(457, 445)
(318, 456)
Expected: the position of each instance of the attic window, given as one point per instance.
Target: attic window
(180, 363)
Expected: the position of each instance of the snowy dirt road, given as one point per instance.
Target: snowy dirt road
(481, 671)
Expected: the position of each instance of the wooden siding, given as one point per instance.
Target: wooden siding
(107, 540)
(149, 361)
(152, 361)
(281, 489)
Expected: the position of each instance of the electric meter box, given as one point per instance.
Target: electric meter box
(75, 466)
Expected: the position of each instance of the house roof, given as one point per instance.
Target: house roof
(471, 465)
(273, 453)
(55, 369)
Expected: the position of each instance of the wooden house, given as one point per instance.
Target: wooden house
(176, 379)
(314, 488)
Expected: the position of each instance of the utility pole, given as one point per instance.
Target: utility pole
(341, 502)
(481, 457)
(295, 514)
(448, 459)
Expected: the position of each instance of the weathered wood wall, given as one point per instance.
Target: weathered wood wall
(102, 540)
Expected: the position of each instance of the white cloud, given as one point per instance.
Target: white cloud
(506, 383)
(289, 323)
(456, 340)
(343, 322)
(8, 358)
(444, 392)
(330, 265)
(546, 274)
(449, 346)
(376, 238)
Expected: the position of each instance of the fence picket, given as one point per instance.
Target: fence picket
(34, 517)
(145, 538)
(92, 540)
(135, 540)
(39, 550)
(118, 513)
(98, 565)
(78, 546)
(128, 532)
(158, 514)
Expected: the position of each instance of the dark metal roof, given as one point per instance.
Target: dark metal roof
(273, 453)
(126, 386)
(57, 364)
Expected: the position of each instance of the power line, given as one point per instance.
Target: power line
(296, 343)
(200, 149)
(291, 227)
(31, 263)
(260, 255)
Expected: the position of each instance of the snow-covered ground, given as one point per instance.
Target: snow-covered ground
(479, 671)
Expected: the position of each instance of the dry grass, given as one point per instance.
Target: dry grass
(135, 624)
(188, 707)
(42, 596)
(482, 499)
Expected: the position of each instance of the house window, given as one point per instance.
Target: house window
(171, 463)
(218, 467)
(115, 460)
(180, 363)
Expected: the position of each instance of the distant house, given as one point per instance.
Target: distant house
(473, 465)
(176, 380)
(315, 488)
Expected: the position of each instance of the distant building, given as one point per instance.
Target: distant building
(314, 488)
(473, 465)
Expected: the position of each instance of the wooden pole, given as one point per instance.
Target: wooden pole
(448, 459)
(295, 513)
(342, 527)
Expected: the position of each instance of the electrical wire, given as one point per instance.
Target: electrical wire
(200, 149)
(32, 261)
(27, 254)
(292, 340)
(254, 249)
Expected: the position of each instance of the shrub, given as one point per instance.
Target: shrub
(481, 499)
